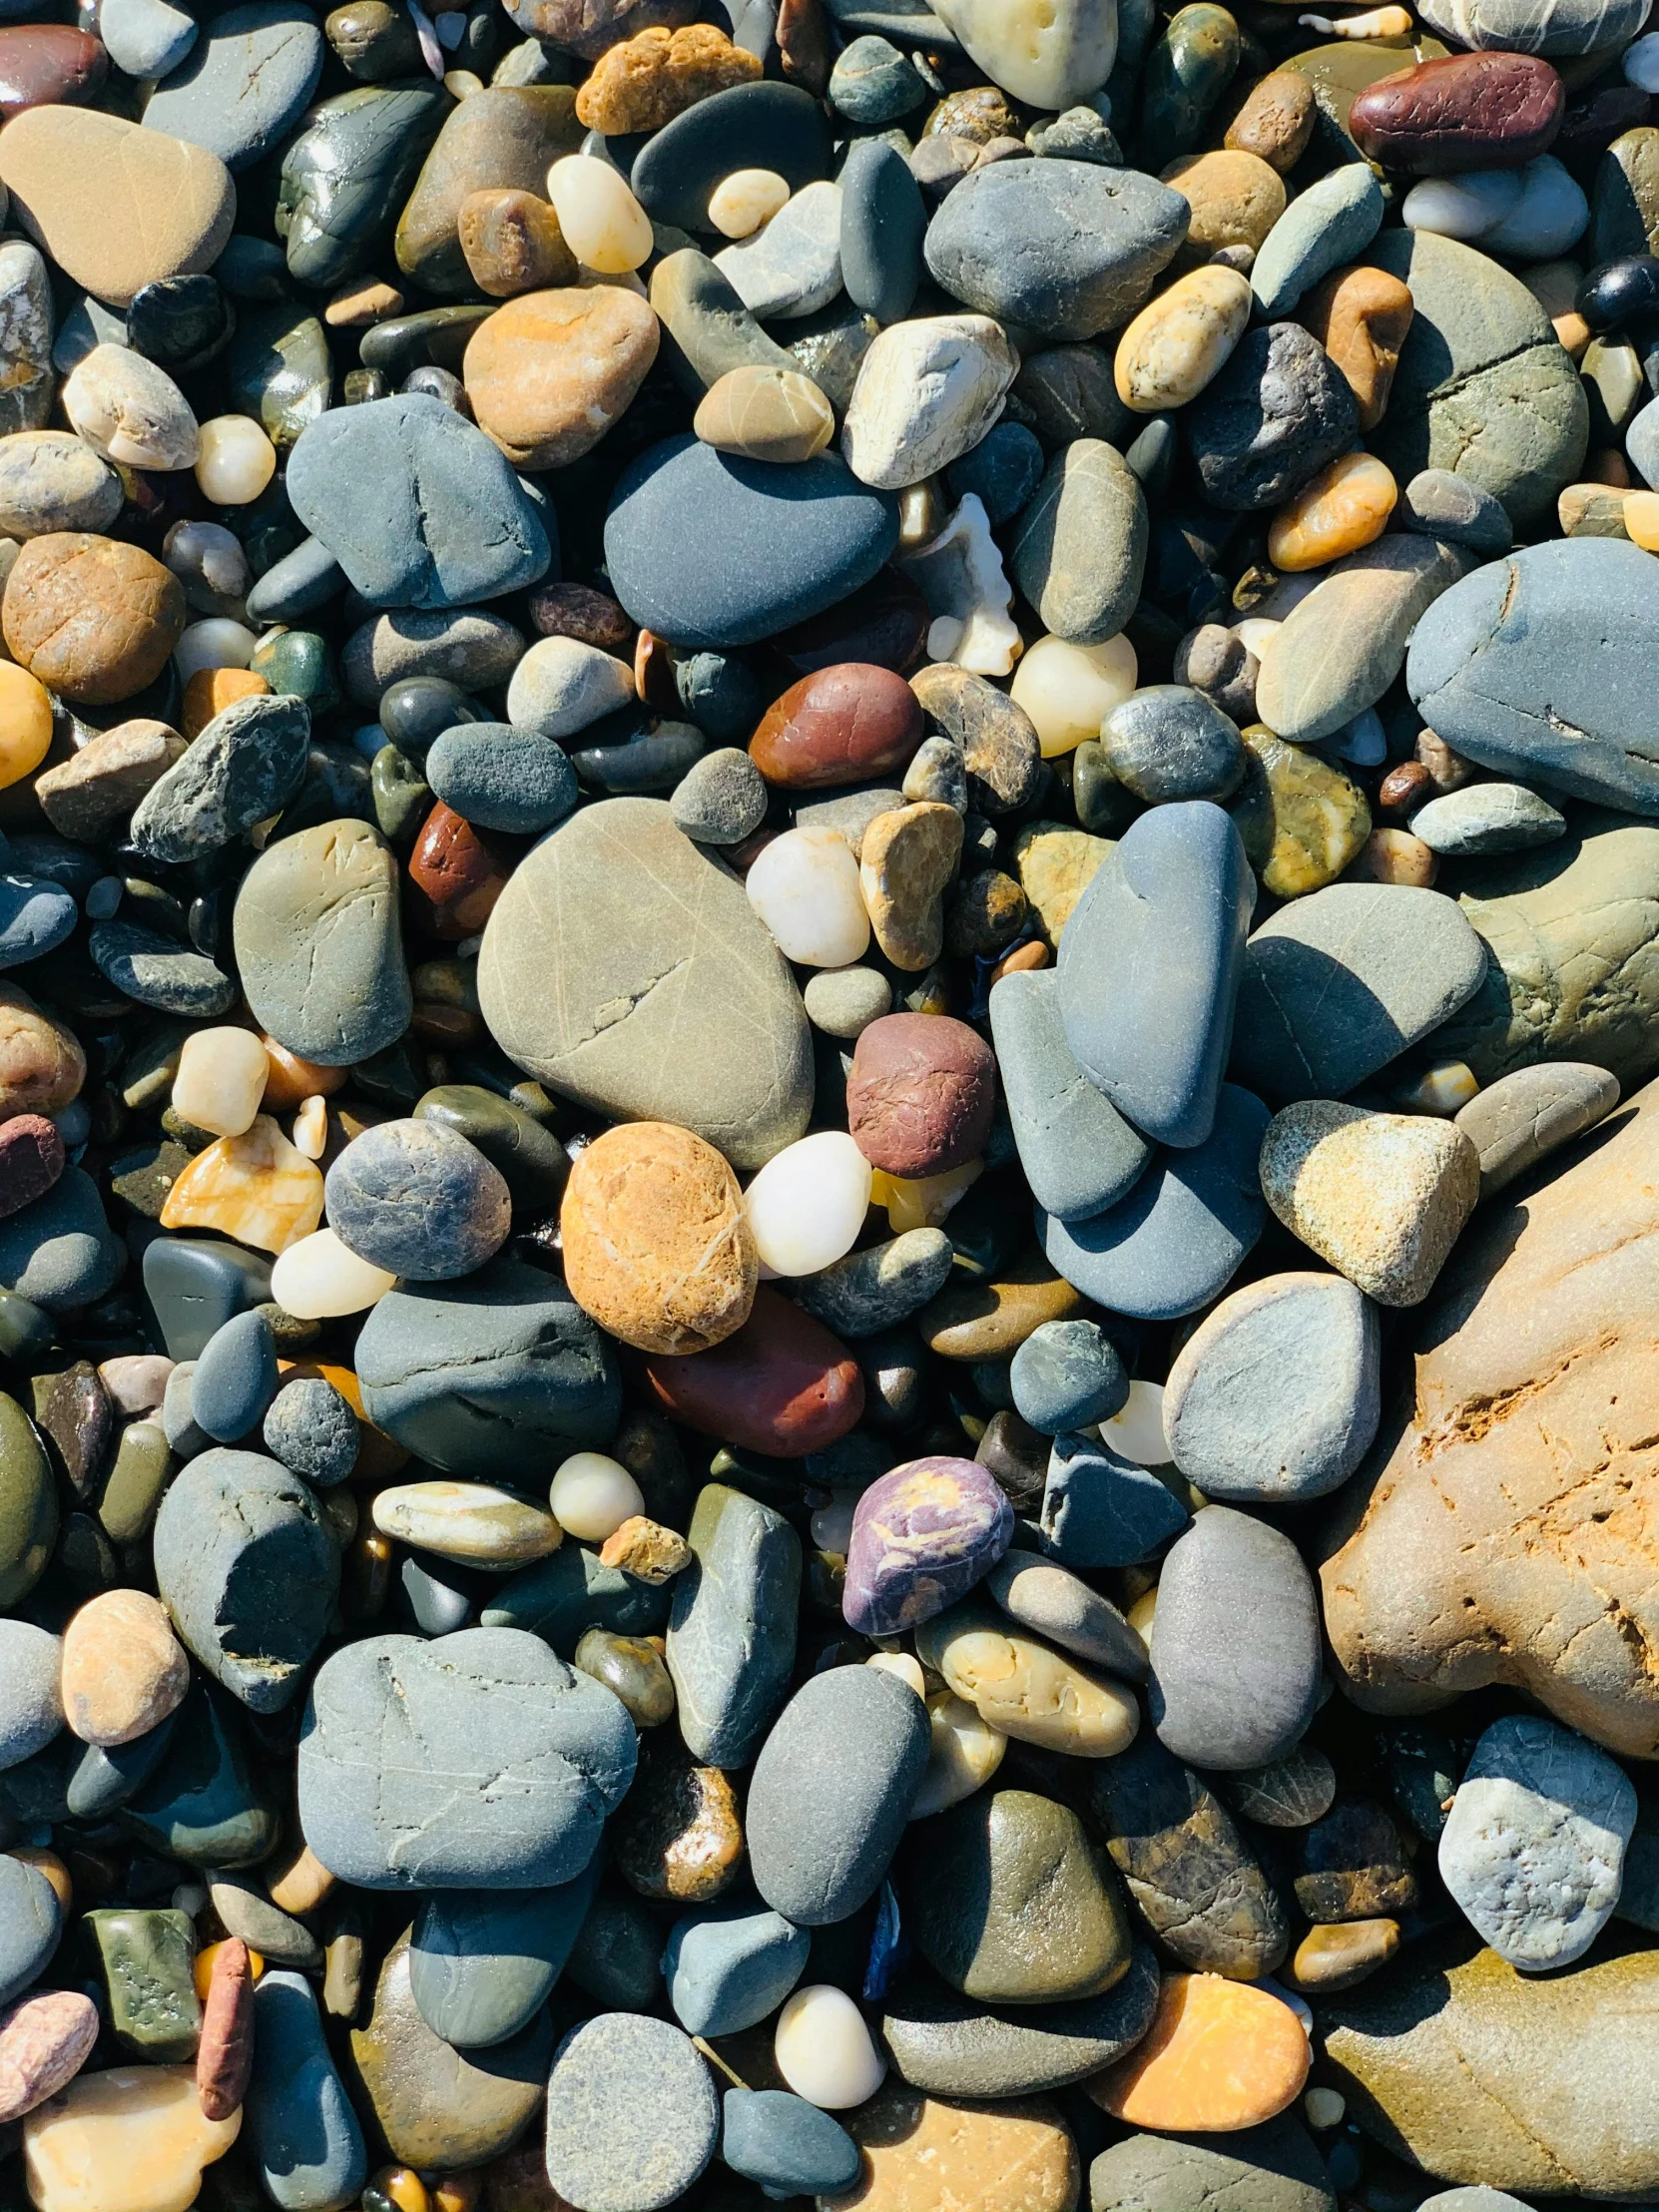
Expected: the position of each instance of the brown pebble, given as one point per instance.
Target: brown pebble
(1450, 769)
(922, 1093)
(225, 2055)
(1361, 315)
(94, 619)
(1459, 112)
(765, 415)
(31, 1160)
(98, 787)
(1607, 466)
(1023, 958)
(803, 44)
(461, 872)
(651, 78)
(843, 724)
(360, 301)
(578, 611)
(677, 1834)
(1335, 1958)
(1404, 788)
(1591, 511)
(1394, 856)
(984, 915)
(551, 372)
(1276, 121)
(654, 673)
(298, 1884)
(513, 243)
(1236, 198)
(646, 1550)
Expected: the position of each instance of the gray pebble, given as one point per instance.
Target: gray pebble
(731, 1965)
(632, 2114)
(951, 2046)
(1100, 1511)
(1521, 1118)
(244, 767)
(1333, 221)
(1067, 1375)
(234, 1378)
(791, 265)
(722, 800)
(31, 1711)
(730, 1634)
(146, 39)
(499, 778)
(414, 1197)
(310, 1428)
(59, 1251)
(842, 1002)
(1169, 742)
(873, 84)
(1486, 817)
(483, 1962)
(875, 1289)
(306, 2145)
(262, 1926)
(1063, 1608)
(1078, 1153)
(1447, 506)
(30, 1921)
(1275, 2169)
(1276, 414)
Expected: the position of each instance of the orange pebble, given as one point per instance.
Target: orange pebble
(292, 1080)
(1022, 960)
(210, 689)
(1219, 2056)
(202, 1973)
(402, 2187)
(460, 2192)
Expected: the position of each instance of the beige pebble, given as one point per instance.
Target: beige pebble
(122, 1669)
(254, 1187)
(741, 203)
(513, 243)
(1394, 856)
(1445, 1088)
(930, 2154)
(44, 2039)
(1345, 506)
(1024, 1688)
(130, 2140)
(1276, 120)
(646, 1549)
(298, 1883)
(1641, 519)
(130, 411)
(765, 415)
(602, 222)
(1182, 340)
(551, 372)
(963, 1752)
(316, 1279)
(1235, 196)
(360, 301)
(220, 1080)
(311, 1127)
(234, 461)
(469, 1521)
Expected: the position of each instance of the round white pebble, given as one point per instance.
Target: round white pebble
(808, 1204)
(1465, 206)
(824, 2049)
(900, 1663)
(1325, 2108)
(318, 1280)
(592, 1497)
(804, 886)
(1137, 1432)
(1069, 689)
(234, 461)
(741, 203)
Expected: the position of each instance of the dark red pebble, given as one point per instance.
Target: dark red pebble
(782, 1385)
(31, 1160)
(1465, 110)
(921, 1094)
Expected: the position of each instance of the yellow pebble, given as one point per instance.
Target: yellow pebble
(1443, 1089)
(25, 723)
(1181, 340)
(1345, 507)
(202, 1973)
(741, 203)
(403, 2188)
(210, 689)
(603, 224)
(1641, 519)
(924, 1203)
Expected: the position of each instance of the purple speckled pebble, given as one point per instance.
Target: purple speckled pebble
(922, 1538)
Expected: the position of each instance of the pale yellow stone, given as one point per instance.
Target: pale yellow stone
(234, 461)
(1641, 519)
(255, 1187)
(220, 1080)
(1055, 867)
(132, 2139)
(1026, 1689)
(1182, 340)
(741, 203)
(469, 1521)
(603, 224)
(963, 1752)
(1068, 690)
(765, 415)
(1345, 507)
(316, 1279)
(930, 2154)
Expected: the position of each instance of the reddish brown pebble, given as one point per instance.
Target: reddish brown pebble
(884, 622)
(45, 2040)
(782, 1385)
(1361, 315)
(654, 673)
(31, 1160)
(1404, 788)
(461, 872)
(576, 611)
(225, 2055)
(803, 44)
(921, 1094)
(840, 726)
(48, 65)
(1465, 110)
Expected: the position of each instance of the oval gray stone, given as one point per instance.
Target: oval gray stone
(1521, 1118)
(953, 2046)
(318, 943)
(1275, 2168)
(831, 1792)
(1062, 1607)
(625, 967)
(416, 1199)
(30, 1922)
(306, 2145)
(632, 2114)
(250, 73)
(1487, 818)
(244, 767)
(483, 1962)
(730, 1633)
(1079, 552)
(1078, 1154)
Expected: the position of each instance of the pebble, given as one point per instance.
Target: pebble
(1177, 344)
(1026, 1689)
(1277, 2166)
(1220, 2055)
(1278, 412)
(1077, 1151)
(927, 391)
(1330, 224)
(1521, 1119)
(245, 84)
(927, 2155)
(632, 2114)
(551, 372)
(125, 2135)
(414, 1197)
(822, 2049)
(121, 1669)
(729, 1966)
(44, 2039)
(306, 2144)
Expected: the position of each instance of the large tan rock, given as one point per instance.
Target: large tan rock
(94, 619)
(550, 372)
(923, 2154)
(1511, 1533)
(117, 207)
(132, 2139)
(1482, 2075)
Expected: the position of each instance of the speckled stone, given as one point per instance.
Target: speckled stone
(632, 2114)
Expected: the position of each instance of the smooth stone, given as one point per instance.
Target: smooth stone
(470, 1523)
(791, 267)
(242, 769)
(318, 944)
(831, 1792)
(1179, 890)
(44, 2042)
(928, 393)
(1221, 2055)
(1278, 412)
(35, 917)
(731, 1636)
(474, 648)
(957, 2046)
(470, 1373)
(25, 338)
(1521, 1118)
(1443, 505)
(146, 39)
(632, 2112)
(59, 1252)
(1168, 743)
(502, 135)
(28, 1504)
(1101, 1510)
(705, 330)
(1532, 1850)
(1303, 821)
(31, 1710)
(244, 81)
(1177, 344)
(194, 1285)
(1487, 818)
(1234, 1644)
(1078, 1153)
(1277, 1394)
(1481, 653)
(1080, 549)
(1567, 28)
(1334, 985)
(921, 1093)
(1191, 1875)
(883, 222)
(1339, 649)
(30, 1922)
(923, 1535)
(249, 1915)
(280, 370)
(305, 2139)
(204, 1802)
(631, 877)
(128, 2135)
(1067, 1376)
(1483, 386)
(721, 800)
(871, 83)
(778, 126)
(730, 1964)
(145, 1959)
(1276, 2167)
(51, 482)
(414, 1197)
(549, 374)
(927, 2155)
(1048, 60)
(532, 1161)
(344, 174)
(249, 1571)
(1067, 248)
(484, 1700)
(1068, 1612)
(1026, 1689)
(786, 2144)
(561, 1598)
(416, 505)
(91, 618)
(1333, 221)
(874, 1289)
(435, 2106)
(234, 1378)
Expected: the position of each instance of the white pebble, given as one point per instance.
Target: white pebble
(807, 1206)
(311, 1127)
(130, 411)
(741, 203)
(804, 886)
(318, 1280)
(963, 1752)
(1550, 216)
(900, 1663)
(1464, 206)
(220, 1080)
(1255, 632)
(592, 1497)
(189, 1898)
(235, 461)
(603, 224)
(216, 641)
(1137, 1432)
(824, 2049)
(1640, 65)
(1325, 2108)
(1069, 689)
(562, 686)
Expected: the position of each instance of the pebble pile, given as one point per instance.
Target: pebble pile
(829, 1236)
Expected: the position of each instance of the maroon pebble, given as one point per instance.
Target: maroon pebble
(921, 1094)
(48, 65)
(782, 1385)
(1465, 110)
(31, 1160)
(842, 726)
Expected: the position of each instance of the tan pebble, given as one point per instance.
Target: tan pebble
(1277, 119)
(255, 1187)
(1450, 769)
(657, 1247)
(45, 2040)
(1055, 867)
(42, 1066)
(1026, 1689)
(1023, 958)
(469, 1521)
(1394, 856)
(85, 795)
(741, 203)
(94, 619)
(461, 84)
(1236, 198)
(50, 1866)
(646, 1550)
(311, 1128)
(1347, 505)
(985, 1320)
(25, 724)
(298, 1883)
(550, 372)
(361, 300)
(927, 2155)
(1361, 315)
(1181, 340)
(129, 2140)
(765, 414)
(1555, 286)
(1335, 1958)
(1591, 511)
(907, 858)
(646, 81)
(513, 243)
(1219, 2056)
(1445, 1088)
(289, 1080)
(123, 1668)
(130, 411)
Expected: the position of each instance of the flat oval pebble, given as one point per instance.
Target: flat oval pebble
(632, 2114)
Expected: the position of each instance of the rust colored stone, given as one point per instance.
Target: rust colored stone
(1465, 110)
(921, 1094)
(841, 725)
(460, 871)
(511, 243)
(225, 2055)
(657, 74)
(1361, 316)
(95, 620)
(780, 1385)
(48, 65)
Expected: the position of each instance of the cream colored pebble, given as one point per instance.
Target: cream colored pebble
(1069, 689)
(235, 461)
(592, 1495)
(824, 2049)
(316, 1279)
(130, 411)
(220, 1080)
(311, 1127)
(741, 203)
(603, 224)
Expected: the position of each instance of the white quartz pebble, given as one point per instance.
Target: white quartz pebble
(824, 2049)
(963, 1752)
(318, 1280)
(741, 203)
(1137, 1432)
(130, 411)
(562, 686)
(603, 224)
(807, 1206)
(311, 1127)
(235, 461)
(903, 1664)
(220, 1080)
(215, 643)
(804, 886)
(592, 1496)
(1465, 206)
(1069, 689)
